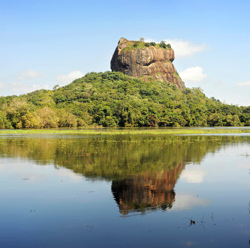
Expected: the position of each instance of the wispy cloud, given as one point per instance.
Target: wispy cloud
(184, 202)
(70, 77)
(183, 48)
(246, 83)
(29, 74)
(25, 88)
(23, 82)
(77, 178)
(194, 175)
(32, 177)
(193, 74)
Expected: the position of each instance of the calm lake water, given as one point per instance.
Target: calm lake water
(114, 191)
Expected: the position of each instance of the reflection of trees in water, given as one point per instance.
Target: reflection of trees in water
(115, 157)
(147, 191)
(143, 169)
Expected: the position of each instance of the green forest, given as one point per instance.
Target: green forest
(112, 99)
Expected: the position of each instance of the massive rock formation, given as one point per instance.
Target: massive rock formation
(143, 60)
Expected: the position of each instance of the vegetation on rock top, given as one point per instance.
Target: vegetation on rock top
(134, 45)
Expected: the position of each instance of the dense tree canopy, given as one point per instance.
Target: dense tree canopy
(113, 99)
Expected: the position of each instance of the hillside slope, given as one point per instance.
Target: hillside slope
(114, 99)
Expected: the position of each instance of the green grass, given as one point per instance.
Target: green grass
(103, 131)
(134, 45)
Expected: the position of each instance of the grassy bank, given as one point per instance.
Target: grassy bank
(103, 131)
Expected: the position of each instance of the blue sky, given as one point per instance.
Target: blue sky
(45, 43)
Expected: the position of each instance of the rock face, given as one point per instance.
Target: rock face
(137, 60)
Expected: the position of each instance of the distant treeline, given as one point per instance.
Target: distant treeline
(113, 99)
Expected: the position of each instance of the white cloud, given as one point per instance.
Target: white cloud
(77, 178)
(193, 175)
(32, 177)
(183, 202)
(246, 83)
(183, 48)
(193, 74)
(2, 85)
(70, 77)
(25, 88)
(29, 74)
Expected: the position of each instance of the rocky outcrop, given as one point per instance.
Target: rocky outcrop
(143, 60)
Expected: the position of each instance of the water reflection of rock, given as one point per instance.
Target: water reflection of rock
(147, 191)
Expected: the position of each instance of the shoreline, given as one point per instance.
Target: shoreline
(236, 130)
